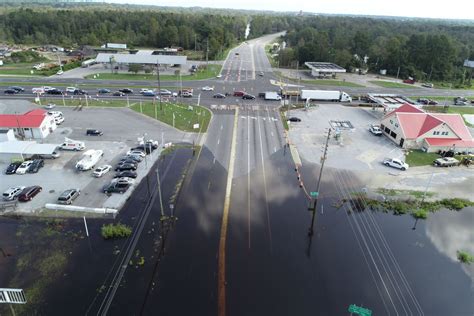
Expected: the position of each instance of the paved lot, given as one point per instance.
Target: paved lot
(357, 149)
(121, 129)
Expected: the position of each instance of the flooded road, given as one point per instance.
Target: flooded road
(374, 260)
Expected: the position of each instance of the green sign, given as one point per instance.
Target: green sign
(314, 194)
(359, 310)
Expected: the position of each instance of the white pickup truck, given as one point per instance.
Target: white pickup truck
(396, 163)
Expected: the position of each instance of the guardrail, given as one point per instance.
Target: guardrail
(73, 208)
(5, 205)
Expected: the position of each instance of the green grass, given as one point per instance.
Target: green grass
(273, 62)
(211, 72)
(420, 158)
(413, 193)
(115, 231)
(389, 84)
(322, 82)
(465, 257)
(184, 117)
(23, 69)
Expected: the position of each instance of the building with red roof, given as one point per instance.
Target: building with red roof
(411, 127)
(32, 124)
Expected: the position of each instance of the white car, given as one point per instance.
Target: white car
(12, 193)
(71, 89)
(136, 153)
(207, 88)
(37, 90)
(396, 163)
(375, 129)
(60, 72)
(24, 166)
(47, 88)
(219, 76)
(101, 170)
(142, 91)
(50, 106)
(165, 92)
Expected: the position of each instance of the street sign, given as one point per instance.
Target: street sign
(314, 194)
(359, 310)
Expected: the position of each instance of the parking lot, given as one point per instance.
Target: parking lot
(121, 127)
(356, 149)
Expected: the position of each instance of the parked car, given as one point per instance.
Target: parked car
(446, 162)
(68, 196)
(375, 129)
(396, 163)
(136, 152)
(60, 72)
(248, 97)
(261, 74)
(460, 102)
(126, 90)
(144, 148)
(427, 85)
(423, 101)
(17, 88)
(94, 132)
(11, 169)
(239, 93)
(294, 119)
(432, 102)
(103, 91)
(12, 193)
(36, 166)
(219, 96)
(126, 166)
(126, 173)
(116, 187)
(10, 91)
(207, 88)
(101, 170)
(29, 193)
(118, 94)
(134, 158)
(24, 167)
(123, 180)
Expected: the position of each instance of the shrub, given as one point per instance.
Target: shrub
(420, 214)
(456, 203)
(113, 231)
(465, 257)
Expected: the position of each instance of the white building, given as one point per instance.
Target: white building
(34, 124)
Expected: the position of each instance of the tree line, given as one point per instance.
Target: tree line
(95, 26)
(429, 50)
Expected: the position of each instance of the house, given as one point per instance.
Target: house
(32, 124)
(411, 127)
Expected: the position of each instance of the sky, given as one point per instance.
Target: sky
(453, 9)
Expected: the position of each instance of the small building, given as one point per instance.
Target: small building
(413, 128)
(145, 58)
(34, 124)
(322, 69)
(20, 150)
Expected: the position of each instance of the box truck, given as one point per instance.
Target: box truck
(89, 159)
(325, 95)
(272, 96)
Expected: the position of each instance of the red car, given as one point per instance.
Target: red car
(29, 193)
(239, 93)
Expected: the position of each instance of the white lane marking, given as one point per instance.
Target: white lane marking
(218, 141)
(272, 133)
(222, 126)
(274, 149)
(214, 161)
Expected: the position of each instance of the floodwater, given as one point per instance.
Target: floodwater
(374, 260)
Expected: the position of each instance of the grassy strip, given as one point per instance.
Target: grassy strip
(81, 102)
(185, 116)
(23, 69)
(273, 62)
(413, 193)
(115, 231)
(211, 72)
(420, 158)
(389, 84)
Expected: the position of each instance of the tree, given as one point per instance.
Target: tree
(135, 68)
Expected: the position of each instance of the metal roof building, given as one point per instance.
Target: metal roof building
(23, 149)
(139, 58)
(322, 69)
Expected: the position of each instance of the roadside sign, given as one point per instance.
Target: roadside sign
(195, 126)
(359, 310)
(314, 194)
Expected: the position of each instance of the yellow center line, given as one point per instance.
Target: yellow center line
(221, 282)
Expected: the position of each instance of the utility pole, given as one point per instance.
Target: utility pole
(195, 42)
(314, 201)
(159, 84)
(207, 53)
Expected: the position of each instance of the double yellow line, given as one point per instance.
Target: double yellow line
(221, 281)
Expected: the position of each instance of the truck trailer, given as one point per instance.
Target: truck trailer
(89, 159)
(325, 95)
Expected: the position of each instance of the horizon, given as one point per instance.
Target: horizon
(457, 10)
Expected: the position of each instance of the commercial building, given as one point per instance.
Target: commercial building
(34, 124)
(322, 70)
(144, 58)
(20, 150)
(411, 127)
(389, 102)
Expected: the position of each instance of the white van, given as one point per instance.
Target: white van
(70, 144)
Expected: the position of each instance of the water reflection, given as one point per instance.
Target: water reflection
(451, 231)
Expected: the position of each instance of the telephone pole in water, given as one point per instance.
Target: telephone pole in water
(315, 195)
